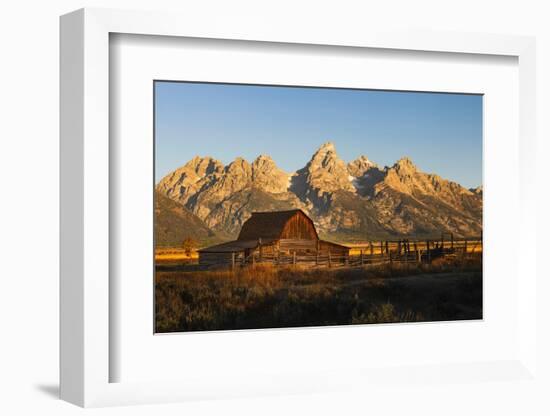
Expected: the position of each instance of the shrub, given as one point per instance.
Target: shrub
(265, 296)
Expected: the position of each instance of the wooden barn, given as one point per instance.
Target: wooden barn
(270, 236)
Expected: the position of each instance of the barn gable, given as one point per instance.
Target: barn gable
(277, 225)
(270, 236)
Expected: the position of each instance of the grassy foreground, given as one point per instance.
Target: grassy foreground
(270, 297)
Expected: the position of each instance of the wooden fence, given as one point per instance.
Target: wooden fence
(374, 252)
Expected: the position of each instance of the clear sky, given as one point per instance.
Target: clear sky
(441, 133)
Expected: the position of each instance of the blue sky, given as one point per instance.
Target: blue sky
(441, 133)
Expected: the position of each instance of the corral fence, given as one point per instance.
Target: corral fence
(401, 251)
(370, 253)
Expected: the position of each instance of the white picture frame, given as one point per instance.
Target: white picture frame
(85, 217)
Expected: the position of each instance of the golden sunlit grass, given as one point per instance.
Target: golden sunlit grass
(174, 254)
(265, 296)
(171, 254)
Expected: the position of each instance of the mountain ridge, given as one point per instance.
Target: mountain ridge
(358, 200)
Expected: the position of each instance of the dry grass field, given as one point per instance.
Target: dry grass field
(172, 254)
(177, 254)
(264, 296)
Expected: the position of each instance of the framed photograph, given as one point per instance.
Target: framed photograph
(272, 212)
(243, 243)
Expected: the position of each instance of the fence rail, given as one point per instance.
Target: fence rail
(360, 254)
(379, 252)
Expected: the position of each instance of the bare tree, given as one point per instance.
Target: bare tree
(189, 244)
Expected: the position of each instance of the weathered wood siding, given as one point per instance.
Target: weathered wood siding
(299, 227)
(337, 250)
(267, 249)
(290, 245)
(276, 235)
(214, 259)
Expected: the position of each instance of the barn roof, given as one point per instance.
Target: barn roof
(234, 246)
(267, 225)
(238, 246)
(330, 243)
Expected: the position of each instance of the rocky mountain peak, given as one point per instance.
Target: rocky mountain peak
(326, 172)
(360, 166)
(405, 177)
(263, 162)
(325, 148)
(358, 198)
(268, 177)
(477, 191)
(204, 165)
(239, 166)
(405, 166)
(184, 182)
(324, 158)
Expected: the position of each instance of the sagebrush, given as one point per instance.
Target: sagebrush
(271, 297)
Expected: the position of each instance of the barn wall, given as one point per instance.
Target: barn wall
(287, 245)
(337, 250)
(267, 249)
(299, 227)
(211, 259)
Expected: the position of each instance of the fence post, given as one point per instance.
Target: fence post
(317, 258)
(294, 258)
(362, 256)
(452, 242)
(371, 248)
(387, 248)
(428, 254)
(233, 261)
(329, 259)
(474, 248)
(381, 249)
(407, 252)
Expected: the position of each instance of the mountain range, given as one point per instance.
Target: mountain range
(349, 202)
